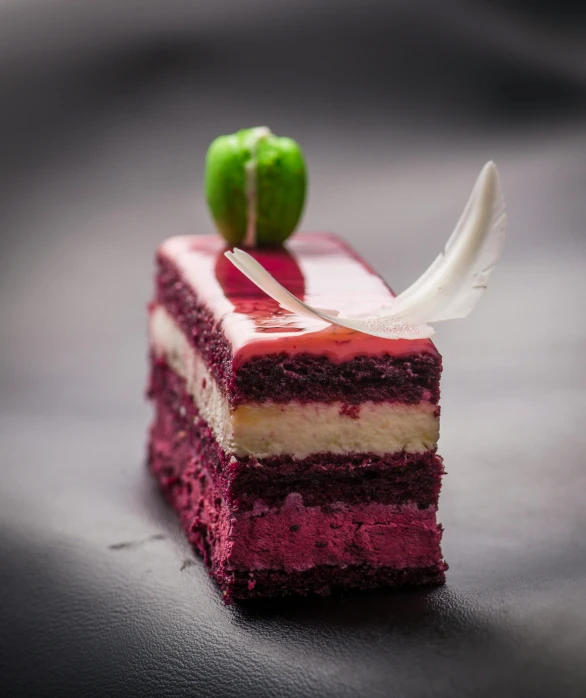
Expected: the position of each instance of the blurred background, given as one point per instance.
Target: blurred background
(106, 111)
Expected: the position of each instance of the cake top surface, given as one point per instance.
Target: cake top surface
(319, 268)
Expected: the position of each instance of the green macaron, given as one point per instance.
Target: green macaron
(255, 185)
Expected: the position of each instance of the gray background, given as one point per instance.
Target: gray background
(106, 111)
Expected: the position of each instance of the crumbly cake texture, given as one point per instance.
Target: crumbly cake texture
(275, 504)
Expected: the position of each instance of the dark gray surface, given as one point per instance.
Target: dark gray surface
(106, 116)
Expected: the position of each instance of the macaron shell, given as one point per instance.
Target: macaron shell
(281, 187)
(225, 186)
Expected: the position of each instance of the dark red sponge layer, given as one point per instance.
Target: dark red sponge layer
(320, 479)
(324, 579)
(312, 378)
(304, 377)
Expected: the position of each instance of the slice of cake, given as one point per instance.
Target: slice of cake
(296, 399)
(300, 456)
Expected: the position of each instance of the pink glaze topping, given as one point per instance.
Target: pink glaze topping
(319, 268)
(296, 538)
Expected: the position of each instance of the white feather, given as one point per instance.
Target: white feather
(448, 289)
(453, 284)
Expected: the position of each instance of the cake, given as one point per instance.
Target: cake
(296, 398)
(300, 457)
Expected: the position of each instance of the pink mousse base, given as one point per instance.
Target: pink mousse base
(317, 548)
(296, 538)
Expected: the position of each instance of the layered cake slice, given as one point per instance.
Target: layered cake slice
(300, 455)
(296, 398)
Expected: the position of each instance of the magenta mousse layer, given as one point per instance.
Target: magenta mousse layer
(322, 478)
(384, 541)
(257, 351)
(295, 537)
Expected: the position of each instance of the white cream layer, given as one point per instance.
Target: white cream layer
(294, 428)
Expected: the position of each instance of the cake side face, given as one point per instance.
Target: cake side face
(299, 427)
(263, 416)
(293, 544)
(322, 478)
